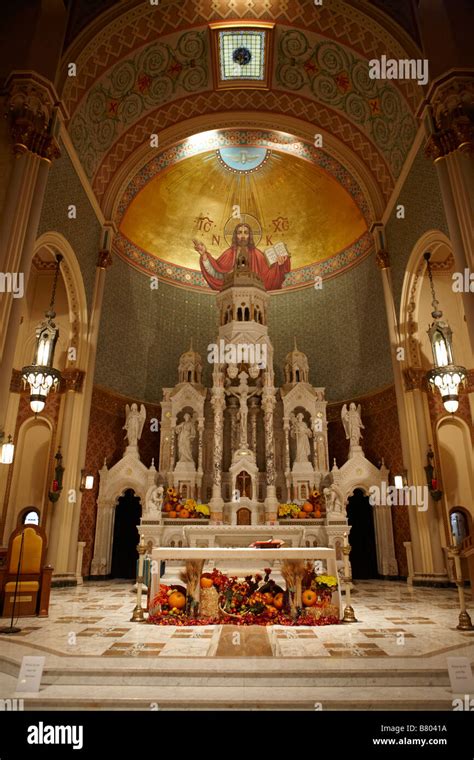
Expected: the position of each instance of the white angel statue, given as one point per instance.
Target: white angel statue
(134, 421)
(352, 423)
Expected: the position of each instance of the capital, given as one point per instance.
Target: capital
(104, 259)
(32, 114)
(382, 259)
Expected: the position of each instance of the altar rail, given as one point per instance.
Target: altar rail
(258, 559)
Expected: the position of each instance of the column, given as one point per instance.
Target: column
(77, 441)
(268, 405)
(216, 503)
(32, 120)
(173, 445)
(200, 450)
(450, 128)
(286, 433)
(383, 263)
(253, 428)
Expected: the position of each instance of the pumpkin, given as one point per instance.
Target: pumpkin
(301, 515)
(184, 514)
(279, 601)
(270, 610)
(307, 507)
(177, 599)
(268, 598)
(206, 582)
(178, 507)
(308, 598)
(167, 507)
(172, 513)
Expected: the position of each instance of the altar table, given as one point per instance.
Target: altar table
(257, 558)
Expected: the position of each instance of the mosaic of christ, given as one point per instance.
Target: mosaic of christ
(214, 269)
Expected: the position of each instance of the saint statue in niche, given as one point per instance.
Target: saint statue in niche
(302, 433)
(186, 432)
(244, 253)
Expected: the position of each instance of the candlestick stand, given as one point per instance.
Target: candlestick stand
(349, 616)
(138, 613)
(465, 623)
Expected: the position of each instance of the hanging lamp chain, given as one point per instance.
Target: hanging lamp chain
(51, 313)
(436, 313)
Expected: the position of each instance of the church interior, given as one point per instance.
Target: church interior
(237, 355)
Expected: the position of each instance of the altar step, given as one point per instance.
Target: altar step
(239, 685)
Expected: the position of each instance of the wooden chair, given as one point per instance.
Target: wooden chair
(34, 583)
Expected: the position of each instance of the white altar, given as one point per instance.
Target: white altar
(253, 560)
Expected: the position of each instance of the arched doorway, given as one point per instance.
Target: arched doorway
(124, 548)
(244, 516)
(363, 554)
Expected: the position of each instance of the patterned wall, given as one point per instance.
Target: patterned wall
(381, 439)
(342, 328)
(106, 441)
(83, 233)
(421, 197)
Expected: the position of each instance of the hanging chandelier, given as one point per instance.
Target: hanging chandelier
(41, 376)
(446, 376)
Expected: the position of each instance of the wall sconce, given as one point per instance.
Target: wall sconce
(87, 481)
(8, 450)
(400, 481)
(57, 484)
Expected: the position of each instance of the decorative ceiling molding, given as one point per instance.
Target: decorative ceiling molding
(254, 104)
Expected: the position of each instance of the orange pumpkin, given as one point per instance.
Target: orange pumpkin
(268, 598)
(278, 601)
(177, 599)
(301, 515)
(178, 507)
(206, 582)
(172, 513)
(184, 514)
(307, 507)
(271, 610)
(167, 507)
(308, 598)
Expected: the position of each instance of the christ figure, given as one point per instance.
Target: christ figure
(243, 247)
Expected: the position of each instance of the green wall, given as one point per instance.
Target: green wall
(342, 328)
(83, 233)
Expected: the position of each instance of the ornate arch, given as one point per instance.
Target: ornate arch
(70, 270)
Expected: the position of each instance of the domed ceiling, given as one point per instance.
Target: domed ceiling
(286, 190)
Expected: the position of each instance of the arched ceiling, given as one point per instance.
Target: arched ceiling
(293, 193)
(135, 62)
(145, 70)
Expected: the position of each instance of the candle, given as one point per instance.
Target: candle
(346, 542)
(142, 540)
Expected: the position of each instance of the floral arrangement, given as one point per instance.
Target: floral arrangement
(252, 600)
(173, 506)
(288, 510)
(328, 582)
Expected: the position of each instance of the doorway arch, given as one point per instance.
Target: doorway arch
(363, 555)
(125, 537)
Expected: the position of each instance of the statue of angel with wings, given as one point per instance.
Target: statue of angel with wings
(352, 423)
(134, 421)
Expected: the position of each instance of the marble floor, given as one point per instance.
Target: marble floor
(395, 657)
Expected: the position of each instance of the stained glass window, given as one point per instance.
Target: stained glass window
(242, 54)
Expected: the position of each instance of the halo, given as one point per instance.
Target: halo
(249, 219)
